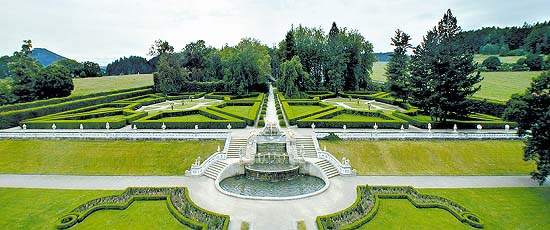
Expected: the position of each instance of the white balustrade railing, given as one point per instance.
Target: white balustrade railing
(128, 135)
(344, 170)
(421, 135)
(197, 170)
(227, 142)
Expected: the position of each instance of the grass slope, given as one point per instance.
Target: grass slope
(40, 208)
(479, 58)
(495, 85)
(500, 208)
(84, 86)
(501, 85)
(102, 157)
(433, 157)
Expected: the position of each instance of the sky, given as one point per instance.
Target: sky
(105, 30)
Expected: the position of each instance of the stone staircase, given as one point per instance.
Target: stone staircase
(215, 169)
(235, 147)
(327, 168)
(308, 146)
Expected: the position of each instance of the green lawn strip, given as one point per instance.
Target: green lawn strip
(499, 208)
(339, 117)
(187, 118)
(84, 86)
(379, 71)
(299, 110)
(82, 157)
(203, 118)
(479, 58)
(236, 109)
(419, 157)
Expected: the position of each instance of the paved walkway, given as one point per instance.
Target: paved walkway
(263, 214)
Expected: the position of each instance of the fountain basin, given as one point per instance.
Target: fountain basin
(271, 172)
(309, 181)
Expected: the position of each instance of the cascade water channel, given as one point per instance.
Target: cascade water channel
(273, 173)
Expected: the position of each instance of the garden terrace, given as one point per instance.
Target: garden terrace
(177, 200)
(229, 96)
(203, 118)
(366, 206)
(244, 109)
(94, 117)
(11, 115)
(337, 118)
(301, 108)
(469, 122)
(320, 95)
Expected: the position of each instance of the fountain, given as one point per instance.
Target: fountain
(275, 171)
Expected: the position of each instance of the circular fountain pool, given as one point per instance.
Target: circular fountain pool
(299, 186)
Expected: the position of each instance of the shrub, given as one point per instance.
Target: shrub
(363, 119)
(491, 63)
(216, 120)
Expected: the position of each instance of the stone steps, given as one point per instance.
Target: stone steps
(215, 169)
(306, 143)
(328, 169)
(235, 147)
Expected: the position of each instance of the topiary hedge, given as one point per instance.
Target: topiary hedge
(365, 119)
(72, 120)
(12, 118)
(486, 121)
(293, 117)
(177, 200)
(253, 112)
(216, 120)
(366, 206)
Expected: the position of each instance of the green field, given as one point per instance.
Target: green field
(501, 85)
(500, 208)
(102, 157)
(433, 157)
(495, 85)
(298, 110)
(379, 71)
(237, 110)
(479, 58)
(84, 86)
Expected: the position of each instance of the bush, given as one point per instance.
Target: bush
(491, 63)
(535, 62)
(216, 121)
(516, 52)
(364, 119)
(490, 49)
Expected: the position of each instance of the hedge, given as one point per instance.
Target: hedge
(53, 101)
(73, 120)
(250, 118)
(486, 121)
(321, 95)
(12, 118)
(293, 118)
(366, 207)
(323, 120)
(220, 120)
(486, 106)
(177, 200)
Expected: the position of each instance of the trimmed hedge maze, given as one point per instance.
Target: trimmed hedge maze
(239, 113)
(177, 201)
(365, 207)
(337, 118)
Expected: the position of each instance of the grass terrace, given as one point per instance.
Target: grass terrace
(87, 157)
(423, 157)
(352, 119)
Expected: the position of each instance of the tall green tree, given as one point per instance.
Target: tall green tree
(170, 77)
(74, 67)
(443, 72)
(53, 81)
(289, 45)
(311, 48)
(203, 62)
(6, 92)
(90, 69)
(247, 66)
(24, 70)
(293, 79)
(335, 66)
(397, 71)
(532, 112)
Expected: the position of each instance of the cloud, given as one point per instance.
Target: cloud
(103, 30)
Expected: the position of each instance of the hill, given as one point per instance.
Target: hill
(45, 57)
(383, 57)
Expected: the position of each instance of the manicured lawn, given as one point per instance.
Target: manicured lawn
(298, 110)
(501, 85)
(353, 117)
(500, 208)
(102, 157)
(40, 208)
(237, 110)
(84, 86)
(178, 105)
(379, 71)
(188, 118)
(394, 157)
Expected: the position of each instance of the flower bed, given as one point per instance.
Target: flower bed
(366, 205)
(177, 200)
